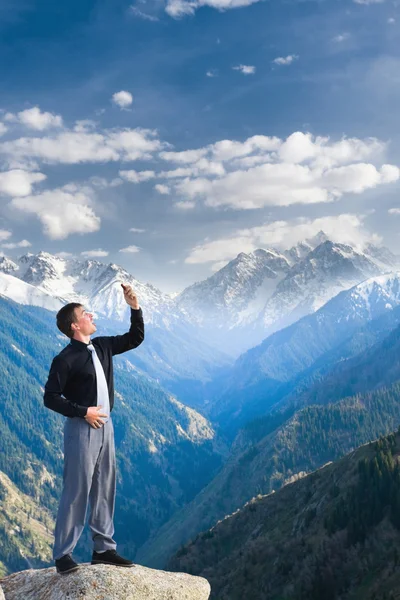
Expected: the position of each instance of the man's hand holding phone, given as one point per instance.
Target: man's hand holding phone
(130, 296)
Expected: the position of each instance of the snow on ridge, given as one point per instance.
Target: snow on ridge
(386, 287)
(253, 295)
(234, 292)
(14, 347)
(94, 284)
(383, 280)
(13, 288)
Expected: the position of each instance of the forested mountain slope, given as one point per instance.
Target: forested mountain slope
(332, 535)
(263, 462)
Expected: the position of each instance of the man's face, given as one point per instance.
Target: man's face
(84, 321)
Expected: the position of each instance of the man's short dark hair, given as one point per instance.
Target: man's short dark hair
(65, 317)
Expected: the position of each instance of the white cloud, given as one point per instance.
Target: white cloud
(301, 169)
(224, 150)
(209, 167)
(357, 178)
(84, 125)
(137, 176)
(342, 37)
(285, 60)
(34, 118)
(64, 254)
(103, 183)
(212, 73)
(227, 149)
(21, 244)
(281, 185)
(202, 166)
(391, 20)
(122, 99)
(277, 184)
(162, 189)
(368, 1)
(185, 157)
(343, 228)
(3, 129)
(5, 234)
(223, 249)
(185, 205)
(217, 266)
(389, 173)
(251, 161)
(245, 69)
(181, 8)
(72, 147)
(62, 211)
(95, 253)
(299, 147)
(18, 182)
(130, 249)
(145, 16)
(179, 172)
(394, 211)
(137, 230)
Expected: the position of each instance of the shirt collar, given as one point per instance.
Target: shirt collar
(78, 345)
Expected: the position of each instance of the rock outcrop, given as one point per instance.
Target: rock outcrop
(104, 582)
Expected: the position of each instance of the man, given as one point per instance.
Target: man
(81, 387)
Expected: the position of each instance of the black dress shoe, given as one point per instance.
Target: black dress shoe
(66, 564)
(110, 557)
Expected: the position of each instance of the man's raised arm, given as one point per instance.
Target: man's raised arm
(135, 336)
(54, 388)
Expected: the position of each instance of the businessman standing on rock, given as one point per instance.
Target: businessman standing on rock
(80, 386)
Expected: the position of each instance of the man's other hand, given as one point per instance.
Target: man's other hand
(93, 416)
(130, 296)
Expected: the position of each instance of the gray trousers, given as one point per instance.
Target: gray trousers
(88, 479)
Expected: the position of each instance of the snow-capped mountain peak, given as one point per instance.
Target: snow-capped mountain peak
(317, 239)
(36, 269)
(252, 296)
(7, 265)
(90, 282)
(373, 296)
(25, 293)
(234, 287)
(382, 256)
(324, 272)
(265, 290)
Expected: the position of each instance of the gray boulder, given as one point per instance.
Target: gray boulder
(104, 582)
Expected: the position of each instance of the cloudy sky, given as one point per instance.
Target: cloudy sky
(169, 135)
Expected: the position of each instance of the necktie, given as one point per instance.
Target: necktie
(103, 398)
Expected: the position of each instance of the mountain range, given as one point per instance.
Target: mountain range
(263, 375)
(175, 353)
(267, 290)
(292, 363)
(248, 299)
(332, 535)
(352, 402)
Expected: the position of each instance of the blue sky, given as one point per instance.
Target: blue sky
(169, 137)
